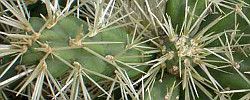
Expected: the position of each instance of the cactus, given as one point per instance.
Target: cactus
(125, 49)
(52, 48)
(203, 43)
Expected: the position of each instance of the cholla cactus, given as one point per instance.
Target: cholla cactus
(58, 53)
(125, 49)
(201, 49)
